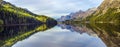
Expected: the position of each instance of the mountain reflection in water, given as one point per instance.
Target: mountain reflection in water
(62, 35)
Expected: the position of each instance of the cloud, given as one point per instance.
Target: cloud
(55, 8)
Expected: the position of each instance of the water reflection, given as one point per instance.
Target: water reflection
(78, 28)
(63, 36)
(9, 35)
(109, 33)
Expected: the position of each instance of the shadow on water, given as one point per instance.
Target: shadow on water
(109, 33)
(9, 35)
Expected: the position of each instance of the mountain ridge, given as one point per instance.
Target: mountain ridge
(107, 12)
(78, 16)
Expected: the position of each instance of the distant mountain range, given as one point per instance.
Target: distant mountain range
(77, 15)
(107, 12)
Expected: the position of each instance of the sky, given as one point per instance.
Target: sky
(55, 8)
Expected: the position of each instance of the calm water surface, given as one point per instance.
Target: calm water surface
(62, 36)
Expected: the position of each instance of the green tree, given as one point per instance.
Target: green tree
(1, 22)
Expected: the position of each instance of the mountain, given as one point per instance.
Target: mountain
(85, 14)
(13, 15)
(77, 16)
(70, 16)
(107, 12)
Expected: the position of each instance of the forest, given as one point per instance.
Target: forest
(10, 14)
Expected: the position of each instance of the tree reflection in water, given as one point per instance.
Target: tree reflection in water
(9, 35)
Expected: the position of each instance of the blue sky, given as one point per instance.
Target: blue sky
(55, 8)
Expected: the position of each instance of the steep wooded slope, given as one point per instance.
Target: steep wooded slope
(107, 12)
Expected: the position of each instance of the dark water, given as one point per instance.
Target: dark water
(75, 35)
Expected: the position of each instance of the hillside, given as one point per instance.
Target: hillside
(107, 12)
(10, 14)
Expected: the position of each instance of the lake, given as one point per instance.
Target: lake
(61, 35)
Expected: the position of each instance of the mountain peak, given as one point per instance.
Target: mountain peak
(78, 15)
